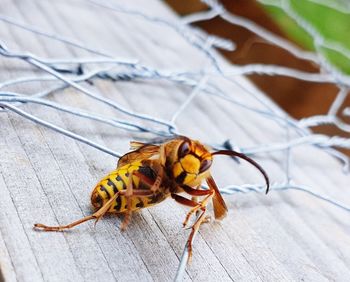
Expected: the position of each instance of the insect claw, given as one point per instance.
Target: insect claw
(184, 224)
(37, 225)
(123, 226)
(97, 219)
(207, 219)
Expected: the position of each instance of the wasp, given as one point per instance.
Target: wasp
(152, 173)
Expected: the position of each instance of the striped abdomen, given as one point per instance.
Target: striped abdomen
(118, 180)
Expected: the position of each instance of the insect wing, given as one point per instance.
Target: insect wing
(135, 145)
(220, 209)
(143, 153)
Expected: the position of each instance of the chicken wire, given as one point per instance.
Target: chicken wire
(67, 73)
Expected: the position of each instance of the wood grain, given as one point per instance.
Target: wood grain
(46, 177)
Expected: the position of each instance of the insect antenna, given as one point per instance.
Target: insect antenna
(245, 157)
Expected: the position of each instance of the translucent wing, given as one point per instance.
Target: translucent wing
(220, 209)
(142, 152)
(134, 145)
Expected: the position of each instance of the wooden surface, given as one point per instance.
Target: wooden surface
(46, 177)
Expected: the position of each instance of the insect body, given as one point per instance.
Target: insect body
(151, 173)
(143, 176)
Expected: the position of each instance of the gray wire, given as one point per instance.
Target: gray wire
(59, 129)
(75, 73)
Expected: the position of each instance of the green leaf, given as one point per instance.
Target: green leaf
(332, 24)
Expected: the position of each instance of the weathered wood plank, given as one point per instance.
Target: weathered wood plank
(282, 237)
(6, 264)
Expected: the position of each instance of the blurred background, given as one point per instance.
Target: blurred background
(299, 98)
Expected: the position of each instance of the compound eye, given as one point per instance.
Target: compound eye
(184, 149)
(205, 165)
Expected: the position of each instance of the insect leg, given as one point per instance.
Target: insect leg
(153, 184)
(201, 219)
(97, 215)
(195, 228)
(195, 199)
(130, 192)
(201, 205)
(195, 192)
(184, 201)
(158, 181)
(128, 195)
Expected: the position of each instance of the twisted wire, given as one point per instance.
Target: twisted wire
(77, 73)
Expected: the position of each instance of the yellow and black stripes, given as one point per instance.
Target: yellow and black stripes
(118, 180)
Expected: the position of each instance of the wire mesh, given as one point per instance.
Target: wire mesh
(79, 74)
